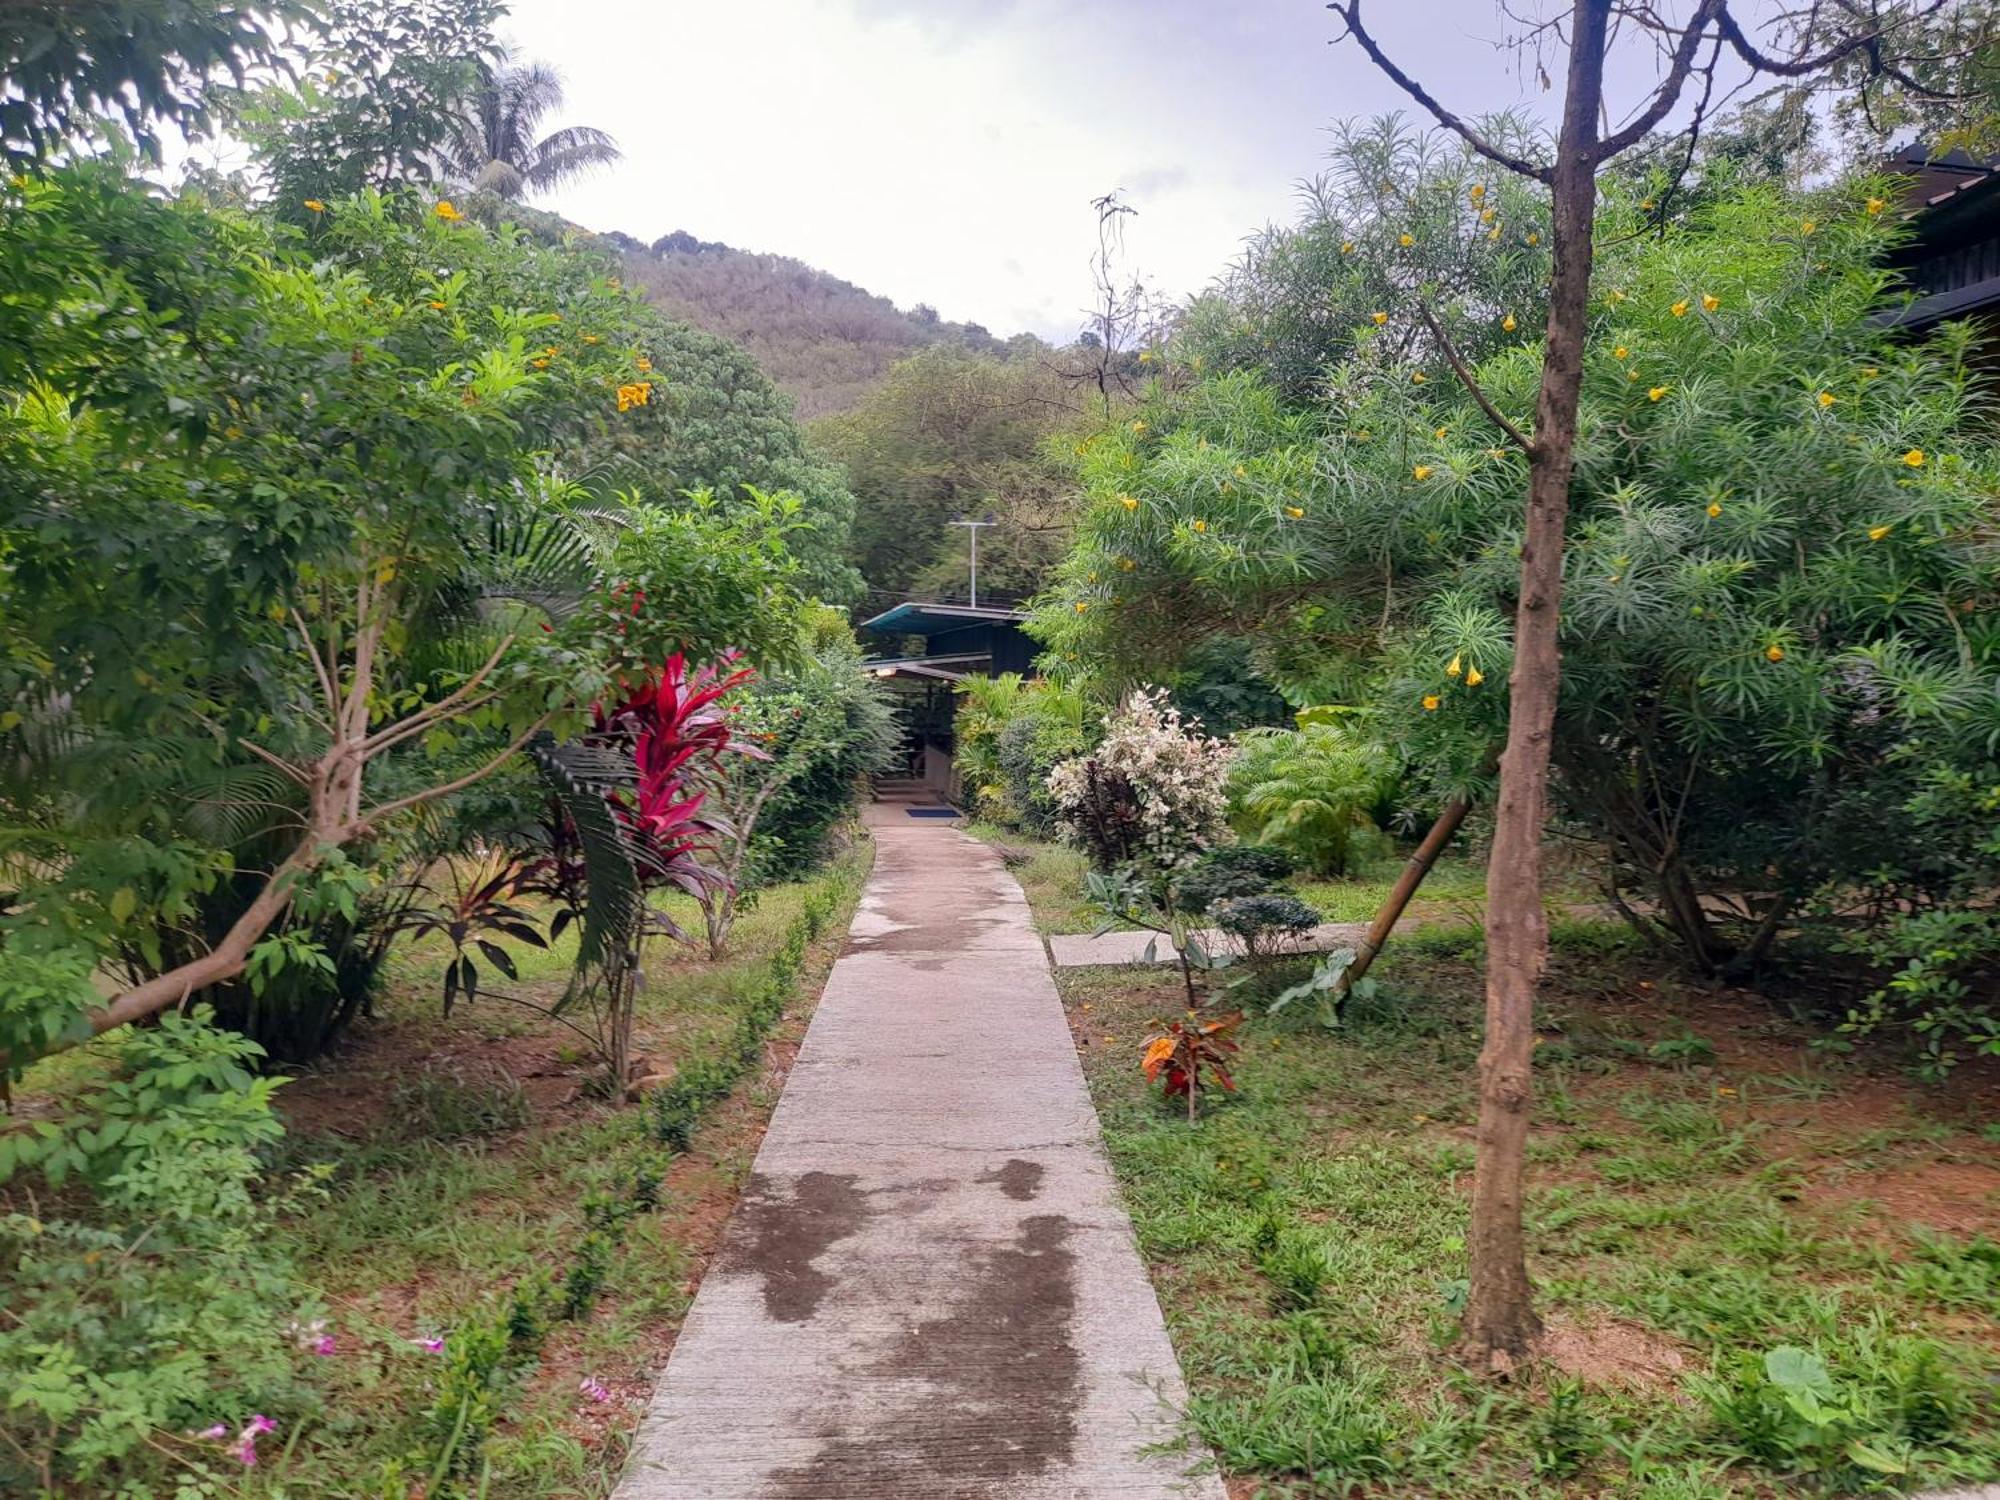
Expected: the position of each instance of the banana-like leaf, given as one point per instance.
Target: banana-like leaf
(578, 777)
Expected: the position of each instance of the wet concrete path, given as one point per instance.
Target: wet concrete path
(930, 1288)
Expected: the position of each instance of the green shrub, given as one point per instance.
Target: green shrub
(155, 1302)
(1312, 792)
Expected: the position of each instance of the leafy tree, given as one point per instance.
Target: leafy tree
(494, 144)
(952, 435)
(1378, 536)
(69, 69)
(340, 568)
(375, 100)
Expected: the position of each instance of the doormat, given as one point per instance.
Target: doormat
(932, 812)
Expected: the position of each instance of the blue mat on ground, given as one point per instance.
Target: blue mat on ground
(932, 812)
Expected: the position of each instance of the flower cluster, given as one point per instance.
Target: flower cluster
(1177, 776)
(638, 393)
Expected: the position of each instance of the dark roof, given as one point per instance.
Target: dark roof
(912, 618)
(1953, 256)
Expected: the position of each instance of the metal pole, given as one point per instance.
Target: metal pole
(972, 532)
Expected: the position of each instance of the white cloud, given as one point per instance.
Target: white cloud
(946, 151)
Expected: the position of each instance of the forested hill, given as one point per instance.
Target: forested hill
(825, 341)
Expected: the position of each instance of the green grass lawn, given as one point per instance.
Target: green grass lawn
(466, 1153)
(1705, 1189)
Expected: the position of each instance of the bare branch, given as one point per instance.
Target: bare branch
(375, 815)
(424, 717)
(1668, 94)
(1349, 11)
(1471, 383)
(292, 772)
(1799, 67)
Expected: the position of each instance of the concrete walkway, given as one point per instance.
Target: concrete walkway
(930, 1288)
(1081, 950)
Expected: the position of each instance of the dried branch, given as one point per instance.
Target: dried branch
(1349, 12)
(1668, 94)
(1471, 383)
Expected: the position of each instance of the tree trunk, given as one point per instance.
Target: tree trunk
(1500, 1321)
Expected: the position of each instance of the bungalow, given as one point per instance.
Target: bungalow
(931, 648)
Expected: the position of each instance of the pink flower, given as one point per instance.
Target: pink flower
(435, 1346)
(324, 1344)
(214, 1434)
(594, 1389)
(246, 1442)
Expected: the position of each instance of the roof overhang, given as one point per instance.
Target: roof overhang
(914, 618)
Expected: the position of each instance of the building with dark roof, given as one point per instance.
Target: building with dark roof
(928, 649)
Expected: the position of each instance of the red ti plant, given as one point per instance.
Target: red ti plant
(677, 730)
(1190, 1055)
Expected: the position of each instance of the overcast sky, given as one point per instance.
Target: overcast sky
(947, 151)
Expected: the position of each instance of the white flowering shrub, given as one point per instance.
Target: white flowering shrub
(1153, 791)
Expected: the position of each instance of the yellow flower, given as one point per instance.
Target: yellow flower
(1379, 318)
(1656, 393)
(1418, 377)
(1431, 701)
(1714, 509)
(1126, 565)
(541, 362)
(1440, 434)
(590, 338)
(1201, 525)
(1486, 215)
(1081, 606)
(1621, 352)
(1130, 502)
(1347, 247)
(1875, 206)
(1422, 471)
(1614, 296)
(1294, 511)
(1914, 458)
(232, 432)
(644, 365)
(1679, 309)
(437, 307)
(445, 211)
(1493, 233)
(1454, 668)
(1138, 426)
(1774, 652)
(315, 205)
(1808, 226)
(1240, 471)
(1869, 372)
(1534, 238)
(1646, 204)
(1508, 324)
(1496, 452)
(1406, 239)
(1710, 303)
(1476, 191)
(1876, 533)
(1474, 677)
(1145, 356)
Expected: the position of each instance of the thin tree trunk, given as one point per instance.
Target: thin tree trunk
(1406, 887)
(1500, 1321)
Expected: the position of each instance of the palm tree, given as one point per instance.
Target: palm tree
(493, 145)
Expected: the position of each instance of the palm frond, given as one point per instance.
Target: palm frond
(578, 777)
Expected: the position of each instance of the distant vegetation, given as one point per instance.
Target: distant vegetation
(826, 342)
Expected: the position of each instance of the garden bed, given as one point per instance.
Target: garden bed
(1705, 1187)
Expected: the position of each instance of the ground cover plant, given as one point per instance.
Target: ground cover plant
(451, 1264)
(1765, 1270)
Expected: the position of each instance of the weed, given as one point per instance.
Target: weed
(447, 1104)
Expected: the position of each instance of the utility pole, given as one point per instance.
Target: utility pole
(972, 535)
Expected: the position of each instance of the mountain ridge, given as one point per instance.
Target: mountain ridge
(823, 340)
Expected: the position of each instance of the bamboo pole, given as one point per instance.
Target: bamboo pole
(1405, 888)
